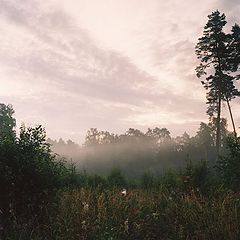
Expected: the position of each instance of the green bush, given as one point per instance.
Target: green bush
(116, 179)
(30, 174)
(197, 175)
(229, 166)
(95, 181)
(147, 180)
(171, 180)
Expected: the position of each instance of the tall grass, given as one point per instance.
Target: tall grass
(96, 214)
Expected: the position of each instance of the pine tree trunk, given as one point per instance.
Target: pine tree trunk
(231, 115)
(218, 137)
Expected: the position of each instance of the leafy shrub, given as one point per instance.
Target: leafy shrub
(229, 166)
(116, 179)
(197, 175)
(147, 180)
(30, 174)
(171, 180)
(96, 181)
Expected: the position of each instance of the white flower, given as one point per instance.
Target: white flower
(155, 215)
(124, 192)
(85, 206)
(84, 226)
(126, 226)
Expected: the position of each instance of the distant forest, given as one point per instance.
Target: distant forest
(136, 152)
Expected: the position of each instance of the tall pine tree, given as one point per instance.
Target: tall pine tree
(218, 53)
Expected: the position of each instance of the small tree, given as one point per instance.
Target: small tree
(205, 138)
(229, 166)
(7, 123)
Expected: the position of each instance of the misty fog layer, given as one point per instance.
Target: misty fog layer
(136, 153)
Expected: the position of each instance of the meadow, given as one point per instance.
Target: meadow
(140, 214)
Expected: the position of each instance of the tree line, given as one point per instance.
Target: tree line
(137, 152)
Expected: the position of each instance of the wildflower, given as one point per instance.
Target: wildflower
(84, 226)
(186, 179)
(85, 206)
(124, 192)
(138, 226)
(11, 208)
(126, 226)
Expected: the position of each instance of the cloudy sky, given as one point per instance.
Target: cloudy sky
(111, 64)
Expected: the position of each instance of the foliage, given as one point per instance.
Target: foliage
(147, 180)
(116, 179)
(96, 181)
(7, 124)
(197, 176)
(30, 175)
(171, 180)
(229, 166)
(217, 49)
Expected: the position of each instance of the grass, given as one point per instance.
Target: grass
(154, 214)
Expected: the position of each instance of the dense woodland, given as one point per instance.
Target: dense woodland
(135, 185)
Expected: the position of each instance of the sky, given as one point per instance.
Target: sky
(110, 64)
